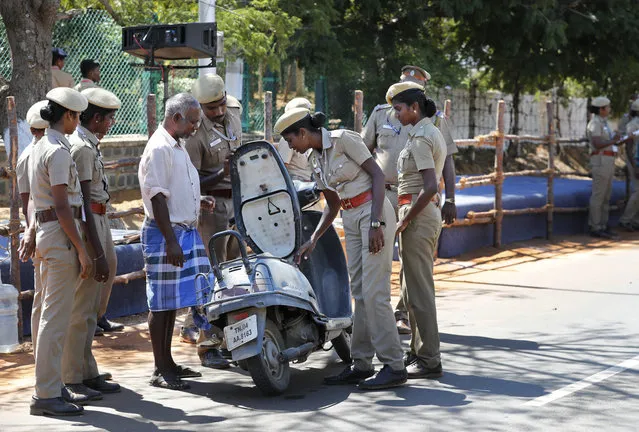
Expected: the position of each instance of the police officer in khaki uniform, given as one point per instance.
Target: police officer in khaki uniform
(79, 368)
(210, 149)
(59, 78)
(351, 180)
(90, 70)
(64, 260)
(604, 149)
(630, 218)
(38, 127)
(386, 137)
(296, 163)
(420, 166)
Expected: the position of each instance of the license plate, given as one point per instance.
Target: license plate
(241, 332)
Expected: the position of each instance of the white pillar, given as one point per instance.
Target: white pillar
(233, 79)
(207, 14)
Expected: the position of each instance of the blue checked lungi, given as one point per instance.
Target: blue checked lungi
(169, 287)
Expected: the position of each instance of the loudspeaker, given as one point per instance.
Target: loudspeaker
(171, 41)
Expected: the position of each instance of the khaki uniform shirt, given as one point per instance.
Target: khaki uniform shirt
(60, 78)
(88, 160)
(386, 136)
(632, 127)
(212, 143)
(50, 164)
(22, 168)
(85, 83)
(425, 149)
(297, 163)
(598, 127)
(338, 166)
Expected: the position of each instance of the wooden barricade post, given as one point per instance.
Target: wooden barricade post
(550, 187)
(499, 174)
(14, 215)
(268, 116)
(151, 117)
(358, 110)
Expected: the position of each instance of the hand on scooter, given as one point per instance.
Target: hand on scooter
(305, 251)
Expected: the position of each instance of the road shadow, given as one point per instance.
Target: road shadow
(418, 396)
(491, 385)
(487, 342)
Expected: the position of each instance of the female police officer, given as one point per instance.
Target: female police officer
(420, 166)
(349, 177)
(59, 248)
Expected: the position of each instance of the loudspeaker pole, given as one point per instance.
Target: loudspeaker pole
(207, 14)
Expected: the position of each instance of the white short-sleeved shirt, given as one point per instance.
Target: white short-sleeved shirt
(166, 168)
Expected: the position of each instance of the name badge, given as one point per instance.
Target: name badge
(215, 142)
(615, 148)
(387, 127)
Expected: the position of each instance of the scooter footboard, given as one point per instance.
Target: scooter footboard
(244, 332)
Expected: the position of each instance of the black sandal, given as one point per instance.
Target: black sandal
(171, 384)
(187, 372)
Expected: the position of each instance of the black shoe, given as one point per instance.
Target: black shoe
(419, 370)
(53, 407)
(409, 358)
(599, 234)
(79, 394)
(99, 331)
(386, 378)
(613, 235)
(106, 375)
(212, 358)
(189, 335)
(350, 375)
(109, 326)
(100, 384)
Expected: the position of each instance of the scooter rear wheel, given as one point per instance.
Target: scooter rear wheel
(269, 375)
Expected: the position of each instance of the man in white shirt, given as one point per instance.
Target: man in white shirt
(173, 250)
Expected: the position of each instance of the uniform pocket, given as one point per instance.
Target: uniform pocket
(218, 151)
(343, 170)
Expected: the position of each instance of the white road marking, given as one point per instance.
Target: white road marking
(584, 383)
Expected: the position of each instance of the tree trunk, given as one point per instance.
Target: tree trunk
(300, 85)
(514, 148)
(260, 75)
(29, 26)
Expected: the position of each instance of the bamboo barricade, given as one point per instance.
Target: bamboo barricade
(358, 111)
(268, 116)
(499, 173)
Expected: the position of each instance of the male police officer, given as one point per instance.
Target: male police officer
(385, 136)
(209, 149)
(90, 70)
(59, 78)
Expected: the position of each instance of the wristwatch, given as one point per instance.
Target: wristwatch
(376, 224)
(450, 200)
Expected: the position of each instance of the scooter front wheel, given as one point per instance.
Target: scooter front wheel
(269, 375)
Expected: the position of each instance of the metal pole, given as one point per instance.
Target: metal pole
(206, 9)
(358, 109)
(14, 218)
(151, 109)
(268, 116)
(550, 191)
(499, 173)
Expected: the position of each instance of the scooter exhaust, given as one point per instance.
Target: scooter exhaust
(294, 353)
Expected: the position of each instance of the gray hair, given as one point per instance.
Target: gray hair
(180, 104)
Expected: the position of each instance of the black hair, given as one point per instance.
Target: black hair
(55, 57)
(634, 113)
(87, 65)
(312, 122)
(88, 114)
(593, 109)
(52, 112)
(426, 105)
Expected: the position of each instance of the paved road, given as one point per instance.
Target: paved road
(545, 345)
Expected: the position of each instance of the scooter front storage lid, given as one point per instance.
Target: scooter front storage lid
(267, 213)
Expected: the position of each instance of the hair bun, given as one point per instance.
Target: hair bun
(46, 112)
(318, 119)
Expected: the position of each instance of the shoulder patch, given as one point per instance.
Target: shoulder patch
(381, 107)
(232, 102)
(337, 133)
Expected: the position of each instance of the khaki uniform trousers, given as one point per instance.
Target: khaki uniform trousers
(631, 213)
(417, 245)
(374, 330)
(603, 171)
(36, 307)
(60, 274)
(400, 309)
(78, 362)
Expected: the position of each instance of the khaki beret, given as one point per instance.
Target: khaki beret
(635, 106)
(102, 98)
(600, 102)
(33, 115)
(208, 88)
(289, 118)
(69, 98)
(398, 88)
(298, 102)
(414, 72)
